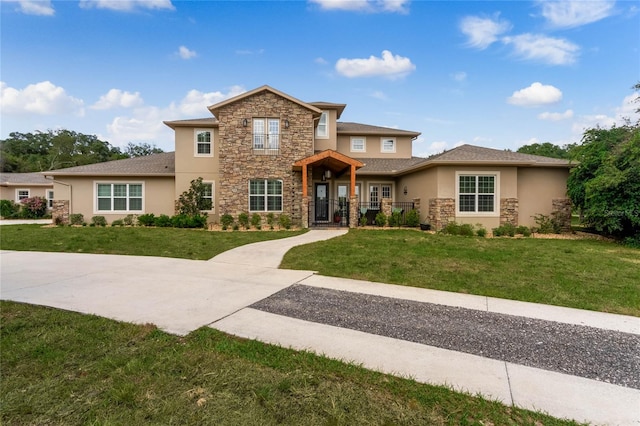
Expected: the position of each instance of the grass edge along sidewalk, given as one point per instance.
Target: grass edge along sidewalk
(61, 367)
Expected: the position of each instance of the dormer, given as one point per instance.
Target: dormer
(326, 135)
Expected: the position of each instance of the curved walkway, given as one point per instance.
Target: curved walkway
(243, 293)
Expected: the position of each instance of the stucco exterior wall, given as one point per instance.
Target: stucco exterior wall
(537, 188)
(10, 192)
(239, 164)
(422, 184)
(158, 195)
(373, 147)
(329, 142)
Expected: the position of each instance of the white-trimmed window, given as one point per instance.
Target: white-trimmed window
(49, 194)
(266, 133)
(477, 193)
(119, 197)
(206, 203)
(265, 195)
(203, 140)
(21, 194)
(358, 144)
(379, 191)
(322, 131)
(388, 145)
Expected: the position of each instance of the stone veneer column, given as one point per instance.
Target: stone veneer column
(509, 211)
(305, 212)
(561, 211)
(60, 209)
(386, 208)
(441, 212)
(353, 212)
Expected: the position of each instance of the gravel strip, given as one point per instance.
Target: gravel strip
(608, 356)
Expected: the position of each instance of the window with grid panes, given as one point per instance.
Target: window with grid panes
(265, 195)
(203, 143)
(118, 197)
(476, 193)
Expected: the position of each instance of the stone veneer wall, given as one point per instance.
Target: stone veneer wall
(509, 211)
(441, 212)
(238, 163)
(561, 211)
(60, 209)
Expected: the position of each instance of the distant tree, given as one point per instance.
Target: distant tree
(142, 149)
(54, 149)
(546, 149)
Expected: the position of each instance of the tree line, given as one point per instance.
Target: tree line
(57, 149)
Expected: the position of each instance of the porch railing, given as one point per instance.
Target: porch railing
(266, 144)
(371, 209)
(328, 213)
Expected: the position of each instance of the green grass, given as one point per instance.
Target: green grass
(140, 241)
(63, 368)
(585, 274)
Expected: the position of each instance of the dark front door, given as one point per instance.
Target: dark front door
(322, 202)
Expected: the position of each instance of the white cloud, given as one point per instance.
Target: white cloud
(127, 5)
(618, 117)
(556, 116)
(482, 32)
(377, 94)
(42, 98)
(185, 53)
(34, 7)
(554, 51)
(372, 6)
(569, 14)
(389, 65)
(249, 52)
(117, 98)
(535, 95)
(459, 76)
(196, 102)
(320, 61)
(427, 149)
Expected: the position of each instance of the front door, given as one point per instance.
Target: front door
(322, 202)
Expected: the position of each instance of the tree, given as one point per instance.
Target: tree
(605, 185)
(546, 149)
(142, 149)
(193, 201)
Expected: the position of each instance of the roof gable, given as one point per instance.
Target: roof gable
(216, 107)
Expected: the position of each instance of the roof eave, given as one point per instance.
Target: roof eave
(103, 174)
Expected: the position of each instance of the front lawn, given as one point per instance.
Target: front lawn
(195, 244)
(585, 274)
(64, 368)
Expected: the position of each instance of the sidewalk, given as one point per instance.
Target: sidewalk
(181, 295)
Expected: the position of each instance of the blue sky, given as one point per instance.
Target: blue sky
(495, 74)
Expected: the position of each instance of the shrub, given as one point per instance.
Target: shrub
(146, 219)
(243, 219)
(98, 221)
(481, 232)
(162, 221)
(117, 222)
(452, 228)
(466, 230)
(395, 219)
(129, 220)
(271, 219)
(189, 221)
(226, 220)
(413, 218)
(33, 207)
(9, 209)
(381, 219)
(547, 224)
(236, 226)
(363, 220)
(506, 229)
(58, 221)
(76, 219)
(523, 230)
(633, 241)
(256, 220)
(193, 201)
(284, 221)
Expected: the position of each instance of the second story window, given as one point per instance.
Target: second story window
(358, 144)
(322, 131)
(266, 135)
(204, 143)
(388, 145)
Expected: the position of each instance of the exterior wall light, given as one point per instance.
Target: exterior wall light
(405, 190)
(286, 123)
(245, 122)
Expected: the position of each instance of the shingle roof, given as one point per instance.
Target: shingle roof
(478, 153)
(15, 179)
(347, 128)
(197, 122)
(388, 165)
(151, 165)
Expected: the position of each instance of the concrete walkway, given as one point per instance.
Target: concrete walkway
(180, 296)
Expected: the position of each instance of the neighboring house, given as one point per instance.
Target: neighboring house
(18, 186)
(267, 152)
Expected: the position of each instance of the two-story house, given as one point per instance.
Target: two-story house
(267, 152)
